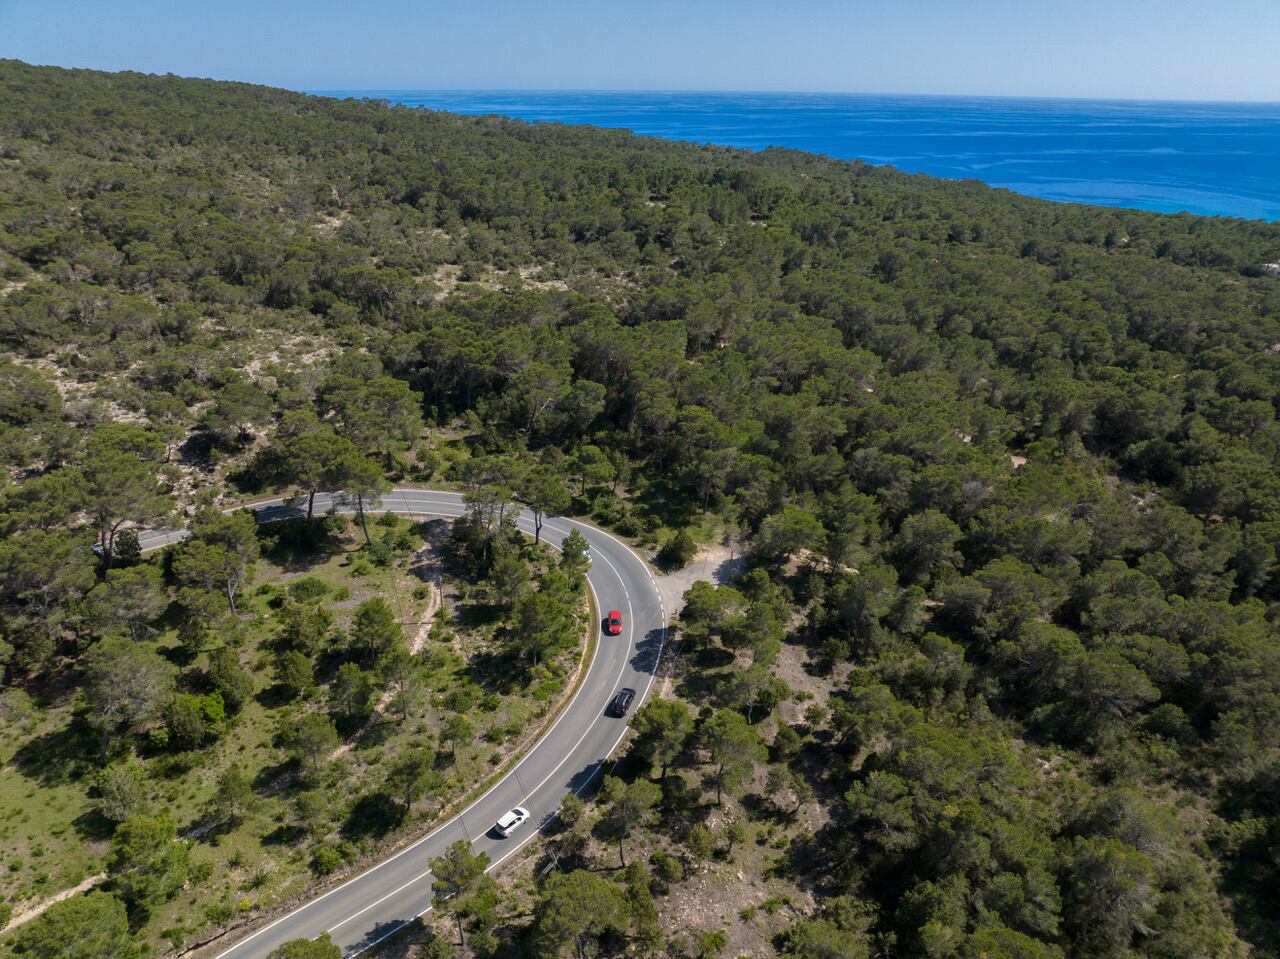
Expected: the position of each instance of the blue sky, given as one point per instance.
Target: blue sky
(1172, 49)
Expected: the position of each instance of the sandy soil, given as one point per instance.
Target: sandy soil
(36, 908)
(714, 563)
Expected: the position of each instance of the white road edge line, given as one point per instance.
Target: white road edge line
(455, 818)
(648, 686)
(454, 504)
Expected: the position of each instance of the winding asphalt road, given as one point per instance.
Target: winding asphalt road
(379, 902)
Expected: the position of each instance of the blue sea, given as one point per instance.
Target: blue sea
(1216, 159)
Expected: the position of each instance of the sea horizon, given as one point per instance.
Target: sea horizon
(343, 93)
(1208, 158)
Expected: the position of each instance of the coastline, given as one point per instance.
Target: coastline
(1202, 158)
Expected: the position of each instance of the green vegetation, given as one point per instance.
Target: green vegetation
(322, 948)
(218, 762)
(1001, 676)
(84, 927)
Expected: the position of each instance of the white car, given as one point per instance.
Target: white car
(510, 821)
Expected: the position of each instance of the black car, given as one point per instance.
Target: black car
(621, 702)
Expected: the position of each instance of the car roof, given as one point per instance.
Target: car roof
(615, 614)
(511, 815)
(626, 691)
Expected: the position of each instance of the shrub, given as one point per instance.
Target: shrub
(231, 682)
(299, 535)
(678, 552)
(463, 698)
(325, 860)
(193, 721)
(700, 842)
(379, 552)
(667, 867)
(304, 589)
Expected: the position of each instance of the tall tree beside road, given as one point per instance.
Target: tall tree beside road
(321, 948)
(575, 557)
(577, 907)
(120, 471)
(236, 532)
(43, 578)
(592, 467)
(543, 491)
(628, 806)
(491, 483)
(544, 619)
(455, 875)
(362, 482)
(219, 553)
(663, 727)
(309, 454)
(734, 747)
(131, 597)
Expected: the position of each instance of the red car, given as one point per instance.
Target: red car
(613, 622)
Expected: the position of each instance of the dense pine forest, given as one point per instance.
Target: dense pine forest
(998, 674)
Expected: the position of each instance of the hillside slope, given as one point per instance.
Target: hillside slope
(1004, 473)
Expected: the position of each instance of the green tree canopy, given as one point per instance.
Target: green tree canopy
(148, 864)
(455, 874)
(576, 907)
(322, 948)
(125, 686)
(734, 748)
(89, 926)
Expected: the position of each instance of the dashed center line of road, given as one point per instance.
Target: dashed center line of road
(423, 502)
(378, 902)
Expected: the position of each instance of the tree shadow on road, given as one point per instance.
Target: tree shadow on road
(400, 928)
(648, 651)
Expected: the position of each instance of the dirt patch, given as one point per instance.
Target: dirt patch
(732, 898)
(529, 275)
(26, 915)
(714, 563)
(796, 668)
